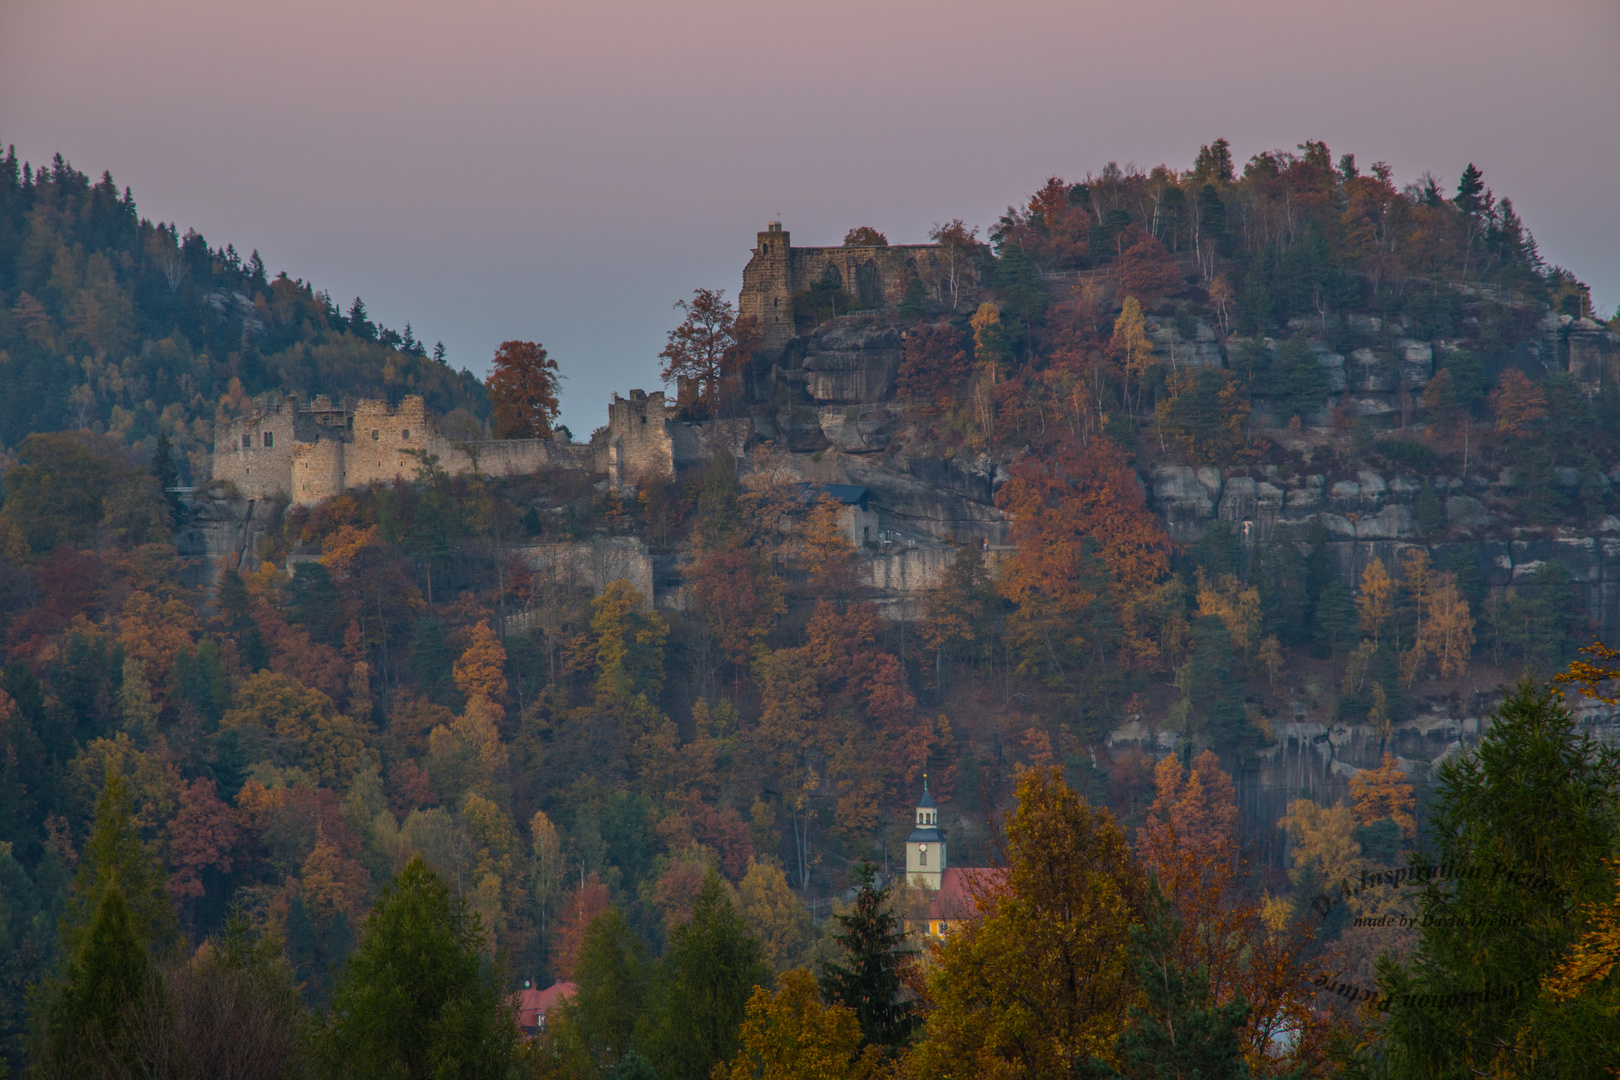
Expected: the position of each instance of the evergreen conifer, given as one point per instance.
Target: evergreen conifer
(870, 986)
(419, 999)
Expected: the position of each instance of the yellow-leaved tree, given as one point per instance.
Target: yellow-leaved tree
(1131, 346)
(480, 671)
(1041, 971)
(791, 1035)
(1376, 604)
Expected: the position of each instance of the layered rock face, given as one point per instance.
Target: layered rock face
(847, 365)
(1372, 516)
(223, 531)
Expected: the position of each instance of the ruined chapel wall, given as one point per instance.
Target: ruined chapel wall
(778, 270)
(890, 263)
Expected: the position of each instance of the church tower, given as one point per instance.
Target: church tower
(925, 848)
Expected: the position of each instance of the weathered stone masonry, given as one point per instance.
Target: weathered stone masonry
(309, 453)
(875, 276)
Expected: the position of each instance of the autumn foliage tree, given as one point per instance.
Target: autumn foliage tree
(523, 389)
(1087, 544)
(1041, 971)
(1131, 347)
(709, 346)
(1190, 844)
(935, 364)
(1148, 269)
(865, 236)
(1518, 404)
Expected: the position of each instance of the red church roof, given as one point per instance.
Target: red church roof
(533, 1004)
(957, 884)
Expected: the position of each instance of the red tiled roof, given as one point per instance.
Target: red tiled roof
(533, 1004)
(954, 900)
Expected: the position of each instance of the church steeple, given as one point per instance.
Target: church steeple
(925, 848)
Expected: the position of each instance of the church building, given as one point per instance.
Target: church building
(928, 868)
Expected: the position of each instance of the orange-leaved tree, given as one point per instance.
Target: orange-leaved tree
(1148, 269)
(1190, 843)
(1087, 545)
(865, 236)
(1384, 792)
(935, 364)
(522, 387)
(1518, 404)
(480, 671)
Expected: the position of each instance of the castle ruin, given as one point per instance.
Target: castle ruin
(875, 277)
(307, 453)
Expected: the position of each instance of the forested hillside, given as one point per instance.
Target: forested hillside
(323, 815)
(111, 323)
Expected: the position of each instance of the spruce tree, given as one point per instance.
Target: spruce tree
(115, 856)
(1521, 826)
(1468, 191)
(313, 603)
(711, 967)
(869, 985)
(168, 476)
(612, 979)
(418, 999)
(236, 616)
(91, 1026)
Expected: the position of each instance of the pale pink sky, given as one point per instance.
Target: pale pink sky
(564, 172)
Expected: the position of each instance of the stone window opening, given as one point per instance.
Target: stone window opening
(269, 439)
(247, 441)
(405, 435)
(375, 434)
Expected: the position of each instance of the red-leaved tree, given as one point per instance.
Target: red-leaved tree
(523, 391)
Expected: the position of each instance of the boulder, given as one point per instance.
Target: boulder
(860, 434)
(1372, 485)
(1333, 367)
(1238, 501)
(1405, 488)
(1182, 500)
(1417, 362)
(849, 365)
(1393, 522)
(1371, 373)
(1367, 406)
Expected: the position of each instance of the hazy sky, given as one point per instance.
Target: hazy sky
(491, 169)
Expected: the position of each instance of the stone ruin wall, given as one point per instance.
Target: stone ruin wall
(308, 461)
(639, 446)
(259, 471)
(874, 276)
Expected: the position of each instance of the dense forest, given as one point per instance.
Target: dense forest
(111, 323)
(329, 814)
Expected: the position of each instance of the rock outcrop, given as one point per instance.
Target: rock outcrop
(223, 529)
(847, 365)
